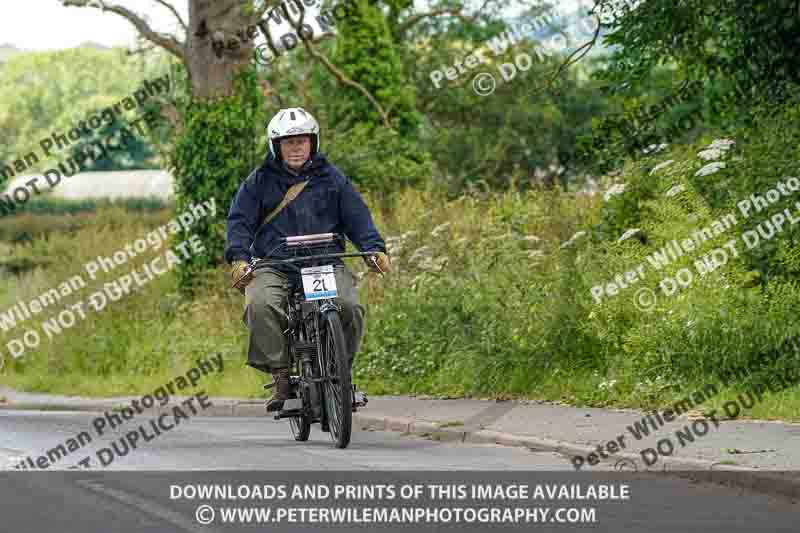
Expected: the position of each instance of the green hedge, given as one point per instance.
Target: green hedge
(45, 205)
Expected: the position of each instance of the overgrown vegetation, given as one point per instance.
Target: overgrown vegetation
(490, 297)
(62, 88)
(216, 150)
(495, 263)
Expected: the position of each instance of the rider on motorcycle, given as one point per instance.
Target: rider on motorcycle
(328, 204)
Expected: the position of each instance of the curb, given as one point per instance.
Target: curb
(219, 408)
(694, 469)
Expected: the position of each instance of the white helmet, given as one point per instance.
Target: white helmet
(290, 122)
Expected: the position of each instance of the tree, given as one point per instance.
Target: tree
(217, 123)
(367, 53)
(739, 53)
(211, 73)
(56, 99)
(753, 43)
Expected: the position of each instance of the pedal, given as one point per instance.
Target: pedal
(359, 399)
(291, 407)
(293, 380)
(293, 404)
(288, 413)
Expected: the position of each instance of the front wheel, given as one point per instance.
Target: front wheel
(336, 371)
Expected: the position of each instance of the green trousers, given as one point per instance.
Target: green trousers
(265, 316)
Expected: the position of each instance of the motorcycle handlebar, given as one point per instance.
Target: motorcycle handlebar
(267, 262)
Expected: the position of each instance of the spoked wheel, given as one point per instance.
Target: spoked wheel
(301, 425)
(338, 391)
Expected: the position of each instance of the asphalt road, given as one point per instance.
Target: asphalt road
(259, 450)
(255, 444)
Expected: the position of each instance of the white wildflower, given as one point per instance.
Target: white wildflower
(661, 165)
(677, 189)
(607, 384)
(655, 148)
(434, 265)
(590, 188)
(421, 253)
(628, 234)
(440, 228)
(572, 239)
(394, 249)
(711, 154)
(531, 238)
(722, 144)
(710, 168)
(614, 190)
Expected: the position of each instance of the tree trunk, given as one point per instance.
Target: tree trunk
(212, 67)
(217, 44)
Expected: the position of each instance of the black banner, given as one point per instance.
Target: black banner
(301, 501)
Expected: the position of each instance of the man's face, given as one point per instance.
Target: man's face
(296, 150)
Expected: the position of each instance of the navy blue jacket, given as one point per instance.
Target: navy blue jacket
(327, 204)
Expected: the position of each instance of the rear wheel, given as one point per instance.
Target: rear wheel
(301, 425)
(338, 389)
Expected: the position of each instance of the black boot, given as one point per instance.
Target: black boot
(281, 379)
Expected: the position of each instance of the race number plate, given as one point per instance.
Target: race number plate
(319, 282)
